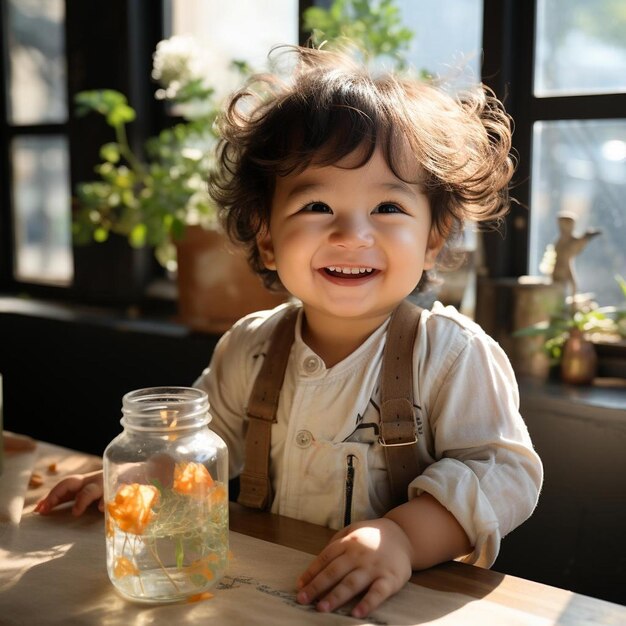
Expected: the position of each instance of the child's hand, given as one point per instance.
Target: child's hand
(82, 488)
(372, 557)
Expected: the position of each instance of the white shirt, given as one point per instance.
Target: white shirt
(480, 463)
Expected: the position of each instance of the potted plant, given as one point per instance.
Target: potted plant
(161, 200)
(571, 333)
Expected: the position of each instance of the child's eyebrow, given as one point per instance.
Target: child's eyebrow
(303, 188)
(399, 186)
(402, 187)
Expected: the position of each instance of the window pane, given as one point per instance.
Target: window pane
(448, 38)
(580, 167)
(36, 48)
(41, 210)
(240, 29)
(581, 47)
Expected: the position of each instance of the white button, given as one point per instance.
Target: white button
(312, 365)
(303, 438)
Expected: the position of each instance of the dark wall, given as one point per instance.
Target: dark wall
(575, 538)
(64, 378)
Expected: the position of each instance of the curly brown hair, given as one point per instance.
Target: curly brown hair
(331, 106)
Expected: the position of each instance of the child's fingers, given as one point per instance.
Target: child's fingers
(355, 582)
(335, 585)
(60, 493)
(327, 556)
(378, 592)
(88, 494)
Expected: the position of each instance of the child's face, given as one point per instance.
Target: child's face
(349, 243)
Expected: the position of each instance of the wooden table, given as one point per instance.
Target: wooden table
(556, 606)
(59, 561)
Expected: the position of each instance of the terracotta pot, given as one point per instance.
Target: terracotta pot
(579, 361)
(216, 286)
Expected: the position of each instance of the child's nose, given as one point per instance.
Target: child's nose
(352, 232)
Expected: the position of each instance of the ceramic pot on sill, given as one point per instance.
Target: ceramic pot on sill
(579, 361)
(216, 286)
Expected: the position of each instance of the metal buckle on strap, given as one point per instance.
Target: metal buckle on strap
(400, 429)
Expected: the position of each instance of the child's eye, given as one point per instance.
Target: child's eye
(316, 207)
(388, 207)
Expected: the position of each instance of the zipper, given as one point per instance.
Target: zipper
(347, 516)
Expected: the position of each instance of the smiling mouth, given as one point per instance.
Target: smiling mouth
(350, 273)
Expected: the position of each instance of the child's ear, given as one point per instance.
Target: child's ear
(436, 241)
(266, 249)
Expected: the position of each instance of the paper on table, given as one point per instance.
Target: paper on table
(16, 473)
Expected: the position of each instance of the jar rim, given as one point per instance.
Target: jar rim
(164, 409)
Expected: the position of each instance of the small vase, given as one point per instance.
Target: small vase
(579, 361)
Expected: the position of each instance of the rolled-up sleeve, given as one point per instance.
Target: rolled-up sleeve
(483, 467)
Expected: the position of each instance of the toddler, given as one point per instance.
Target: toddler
(346, 189)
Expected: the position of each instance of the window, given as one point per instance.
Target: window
(579, 165)
(448, 38)
(52, 50)
(561, 68)
(35, 125)
(243, 30)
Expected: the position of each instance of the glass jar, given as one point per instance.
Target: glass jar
(166, 497)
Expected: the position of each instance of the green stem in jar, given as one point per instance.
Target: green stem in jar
(157, 558)
(143, 591)
(180, 553)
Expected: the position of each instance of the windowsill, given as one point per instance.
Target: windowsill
(157, 314)
(605, 399)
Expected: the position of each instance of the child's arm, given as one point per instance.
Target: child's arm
(378, 556)
(82, 488)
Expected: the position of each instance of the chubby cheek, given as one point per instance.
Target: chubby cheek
(293, 253)
(410, 251)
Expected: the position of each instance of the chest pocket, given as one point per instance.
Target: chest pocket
(344, 482)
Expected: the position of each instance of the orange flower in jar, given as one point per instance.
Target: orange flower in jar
(132, 507)
(217, 495)
(202, 567)
(192, 479)
(124, 567)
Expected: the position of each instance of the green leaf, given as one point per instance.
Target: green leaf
(532, 331)
(110, 152)
(177, 228)
(103, 101)
(121, 114)
(137, 237)
(100, 235)
(180, 553)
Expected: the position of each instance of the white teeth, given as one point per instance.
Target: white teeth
(350, 270)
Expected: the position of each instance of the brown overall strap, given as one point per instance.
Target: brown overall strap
(398, 431)
(255, 484)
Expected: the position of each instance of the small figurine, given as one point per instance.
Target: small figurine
(566, 248)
